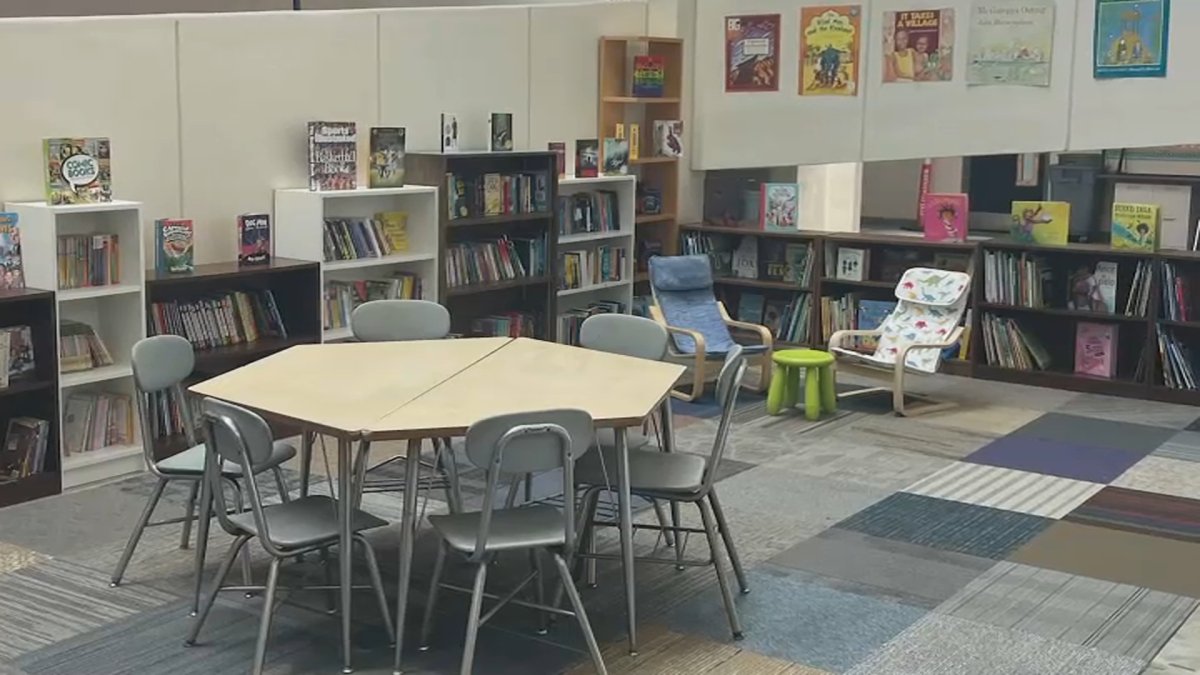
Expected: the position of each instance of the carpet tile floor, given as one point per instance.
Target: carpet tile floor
(1024, 532)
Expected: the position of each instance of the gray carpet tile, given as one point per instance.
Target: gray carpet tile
(1184, 446)
(1097, 433)
(1181, 654)
(912, 436)
(1116, 618)
(1134, 411)
(874, 466)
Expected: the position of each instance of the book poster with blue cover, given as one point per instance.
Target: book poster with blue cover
(1131, 38)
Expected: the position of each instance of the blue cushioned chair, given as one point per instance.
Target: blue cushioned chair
(699, 325)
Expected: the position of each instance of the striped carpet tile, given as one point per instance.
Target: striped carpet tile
(1145, 512)
(1183, 446)
(1008, 489)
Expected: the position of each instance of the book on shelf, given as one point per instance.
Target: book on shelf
(1095, 349)
(871, 314)
(504, 259)
(80, 348)
(586, 212)
(88, 260)
(852, 312)
(1176, 294)
(506, 324)
(12, 272)
(852, 264)
(342, 297)
(635, 141)
(570, 321)
(616, 156)
(1007, 345)
(497, 194)
(500, 132)
(588, 267)
(745, 259)
(95, 420)
(784, 262)
(24, 451)
(779, 206)
(1134, 226)
(1176, 361)
(587, 158)
(387, 157)
(944, 216)
(560, 156)
(21, 361)
(750, 307)
(166, 415)
(718, 249)
(232, 318)
(254, 238)
(332, 156)
(649, 75)
(174, 245)
(78, 170)
(1041, 222)
(1138, 301)
(449, 135)
(668, 138)
(794, 321)
(357, 238)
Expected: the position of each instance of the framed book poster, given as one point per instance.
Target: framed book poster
(918, 45)
(829, 46)
(752, 52)
(1131, 38)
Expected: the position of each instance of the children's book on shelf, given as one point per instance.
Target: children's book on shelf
(589, 267)
(871, 314)
(332, 156)
(509, 324)
(648, 247)
(173, 245)
(78, 170)
(794, 324)
(616, 156)
(387, 157)
(1041, 222)
(5, 355)
(504, 259)
(500, 131)
(1094, 289)
(254, 238)
(779, 206)
(12, 273)
(80, 348)
(772, 315)
(341, 297)
(745, 259)
(649, 75)
(619, 130)
(88, 260)
(1177, 295)
(95, 420)
(799, 259)
(449, 136)
(635, 141)
(944, 217)
(852, 264)
(570, 321)
(1135, 226)
(1008, 345)
(750, 307)
(649, 200)
(233, 318)
(24, 451)
(560, 157)
(668, 138)
(584, 212)
(772, 260)
(21, 361)
(1176, 360)
(587, 158)
(493, 194)
(1095, 349)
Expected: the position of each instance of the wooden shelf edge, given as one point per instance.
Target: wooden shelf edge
(472, 289)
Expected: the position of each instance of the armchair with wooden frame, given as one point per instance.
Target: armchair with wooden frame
(700, 327)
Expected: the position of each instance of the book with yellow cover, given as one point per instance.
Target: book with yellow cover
(1041, 222)
(1135, 226)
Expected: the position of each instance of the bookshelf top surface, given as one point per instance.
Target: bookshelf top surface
(892, 238)
(485, 154)
(363, 191)
(596, 180)
(96, 207)
(1068, 249)
(17, 294)
(215, 271)
(729, 229)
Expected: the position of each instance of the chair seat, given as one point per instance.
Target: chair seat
(634, 438)
(190, 462)
(748, 350)
(535, 526)
(802, 358)
(872, 361)
(303, 522)
(649, 470)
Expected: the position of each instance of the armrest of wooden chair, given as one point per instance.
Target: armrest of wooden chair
(698, 359)
(835, 340)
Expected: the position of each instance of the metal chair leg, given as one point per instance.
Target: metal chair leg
(589, 540)
(439, 566)
(280, 483)
(136, 535)
(727, 537)
(450, 467)
(327, 577)
(735, 624)
(218, 581)
(185, 539)
(473, 619)
(264, 626)
(680, 538)
(661, 514)
(247, 574)
(539, 588)
(377, 582)
(306, 449)
(580, 614)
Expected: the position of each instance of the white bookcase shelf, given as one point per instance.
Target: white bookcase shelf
(116, 312)
(299, 233)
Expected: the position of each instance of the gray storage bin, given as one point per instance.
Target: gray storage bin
(1076, 184)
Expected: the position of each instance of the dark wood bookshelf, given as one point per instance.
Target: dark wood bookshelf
(499, 220)
(749, 231)
(1063, 312)
(1164, 178)
(858, 283)
(760, 283)
(488, 287)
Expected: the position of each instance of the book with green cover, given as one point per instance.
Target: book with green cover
(77, 170)
(1135, 226)
(1041, 222)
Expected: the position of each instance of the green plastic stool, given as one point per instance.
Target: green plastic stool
(819, 394)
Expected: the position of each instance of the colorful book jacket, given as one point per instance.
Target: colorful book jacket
(587, 158)
(944, 217)
(173, 245)
(500, 130)
(668, 138)
(449, 135)
(1135, 226)
(254, 238)
(1095, 349)
(332, 156)
(560, 157)
(1041, 222)
(871, 314)
(387, 157)
(616, 156)
(752, 52)
(829, 47)
(649, 76)
(12, 273)
(779, 206)
(78, 170)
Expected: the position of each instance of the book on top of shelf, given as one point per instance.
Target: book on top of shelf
(12, 272)
(21, 359)
(1135, 226)
(852, 264)
(619, 130)
(944, 217)
(587, 158)
(387, 157)
(779, 206)
(500, 132)
(560, 156)
(173, 245)
(24, 450)
(668, 138)
(86, 260)
(254, 238)
(1094, 289)
(635, 141)
(1095, 349)
(1041, 222)
(80, 348)
(332, 156)
(649, 75)
(449, 135)
(616, 156)
(78, 170)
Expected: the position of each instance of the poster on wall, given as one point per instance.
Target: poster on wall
(1131, 38)
(918, 45)
(829, 48)
(1009, 42)
(752, 52)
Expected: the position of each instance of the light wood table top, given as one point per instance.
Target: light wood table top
(346, 388)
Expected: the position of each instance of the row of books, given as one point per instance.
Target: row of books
(229, 319)
(580, 269)
(166, 417)
(1176, 295)
(1005, 344)
(506, 324)
(354, 238)
(341, 297)
(1020, 279)
(762, 258)
(852, 312)
(1138, 301)
(495, 194)
(97, 420)
(24, 451)
(570, 321)
(788, 320)
(503, 259)
(1176, 360)
(584, 212)
(80, 348)
(16, 354)
(88, 260)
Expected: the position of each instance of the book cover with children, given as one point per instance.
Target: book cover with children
(944, 217)
(1135, 226)
(1041, 222)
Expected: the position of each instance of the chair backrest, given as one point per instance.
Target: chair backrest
(399, 321)
(624, 334)
(160, 365)
(930, 304)
(682, 287)
(729, 382)
(523, 443)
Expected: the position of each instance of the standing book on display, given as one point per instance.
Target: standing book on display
(829, 50)
(500, 131)
(173, 239)
(1095, 348)
(12, 275)
(668, 138)
(944, 216)
(78, 170)
(1041, 222)
(587, 158)
(449, 136)
(649, 76)
(387, 157)
(779, 206)
(332, 156)
(1135, 226)
(560, 157)
(254, 238)
(616, 156)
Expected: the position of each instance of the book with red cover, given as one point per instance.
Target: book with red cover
(944, 216)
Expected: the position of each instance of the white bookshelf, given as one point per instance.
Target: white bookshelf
(299, 224)
(116, 312)
(619, 291)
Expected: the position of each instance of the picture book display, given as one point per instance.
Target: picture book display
(918, 45)
(649, 76)
(254, 238)
(944, 216)
(779, 206)
(12, 273)
(449, 136)
(745, 259)
(616, 156)
(852, 264)
(78, 170)
(387, 157)
(500, 131)
(173, 245)
(1093, 288)
(830, 39)
(1041, 222)
(560, 157)
(1131, 38)
(332, 156)
(1095, 347)
(1135, 226)
(1010, 42)
(668, 138)
(752, 52)
(587, 158)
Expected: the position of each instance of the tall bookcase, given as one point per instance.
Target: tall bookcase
(115, 311)
(534, 294)
(300, 216)
(619, 106)
(34, 395)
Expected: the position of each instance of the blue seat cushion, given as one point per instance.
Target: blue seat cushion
(697, 311)
(681, 273)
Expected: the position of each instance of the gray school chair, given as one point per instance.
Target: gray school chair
(679, 477)
(160, 365)
(401, 321)
(286, 530)
(507, 446)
